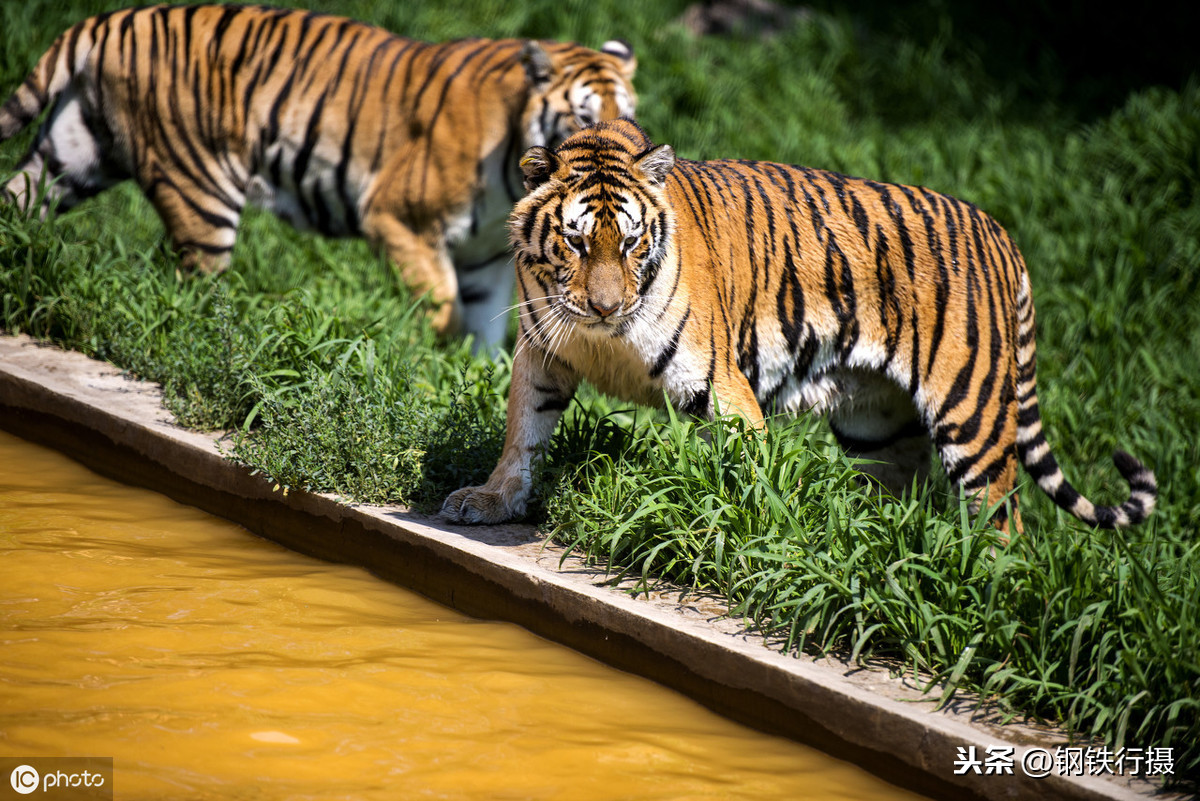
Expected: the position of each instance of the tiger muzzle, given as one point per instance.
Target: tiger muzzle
(605, 289)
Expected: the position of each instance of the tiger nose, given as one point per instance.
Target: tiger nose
(603, 306)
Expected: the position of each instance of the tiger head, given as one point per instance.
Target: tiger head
(594, 227)
(572, 87)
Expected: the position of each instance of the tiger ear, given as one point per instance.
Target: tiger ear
(654, 164)
(537, 165)
(538, 65)
(622, 50)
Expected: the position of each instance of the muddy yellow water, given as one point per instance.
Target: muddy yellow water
(212, 664)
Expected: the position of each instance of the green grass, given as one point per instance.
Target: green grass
(319, 358)
(1096, 628)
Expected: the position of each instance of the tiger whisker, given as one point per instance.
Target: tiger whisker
(555, 338)
(529, 302)
(533, 310)
(542, 329)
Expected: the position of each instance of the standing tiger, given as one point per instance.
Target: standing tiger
(327, 122)
(901, 314)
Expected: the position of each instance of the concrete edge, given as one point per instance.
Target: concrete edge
(118, 427)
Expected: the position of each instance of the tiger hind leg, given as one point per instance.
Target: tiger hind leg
(1001, 495)
(977, 446)
(897, 452)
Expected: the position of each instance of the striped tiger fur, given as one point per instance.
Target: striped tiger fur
(330, 123)
(901, 314)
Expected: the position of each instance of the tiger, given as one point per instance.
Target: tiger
(330, 123)
(900, 315)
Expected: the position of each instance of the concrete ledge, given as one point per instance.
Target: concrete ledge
(118, 427)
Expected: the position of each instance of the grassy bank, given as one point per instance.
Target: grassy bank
(314, 348)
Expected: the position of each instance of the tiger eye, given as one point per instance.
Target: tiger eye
(575, 241)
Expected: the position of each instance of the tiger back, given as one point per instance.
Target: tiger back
(331, 124)
(901, 314)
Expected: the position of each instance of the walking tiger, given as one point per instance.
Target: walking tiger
(902, 315)
(330, 123)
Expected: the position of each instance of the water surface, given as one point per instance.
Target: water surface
(210, 663)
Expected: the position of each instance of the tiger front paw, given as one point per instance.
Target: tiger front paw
(480, 505)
